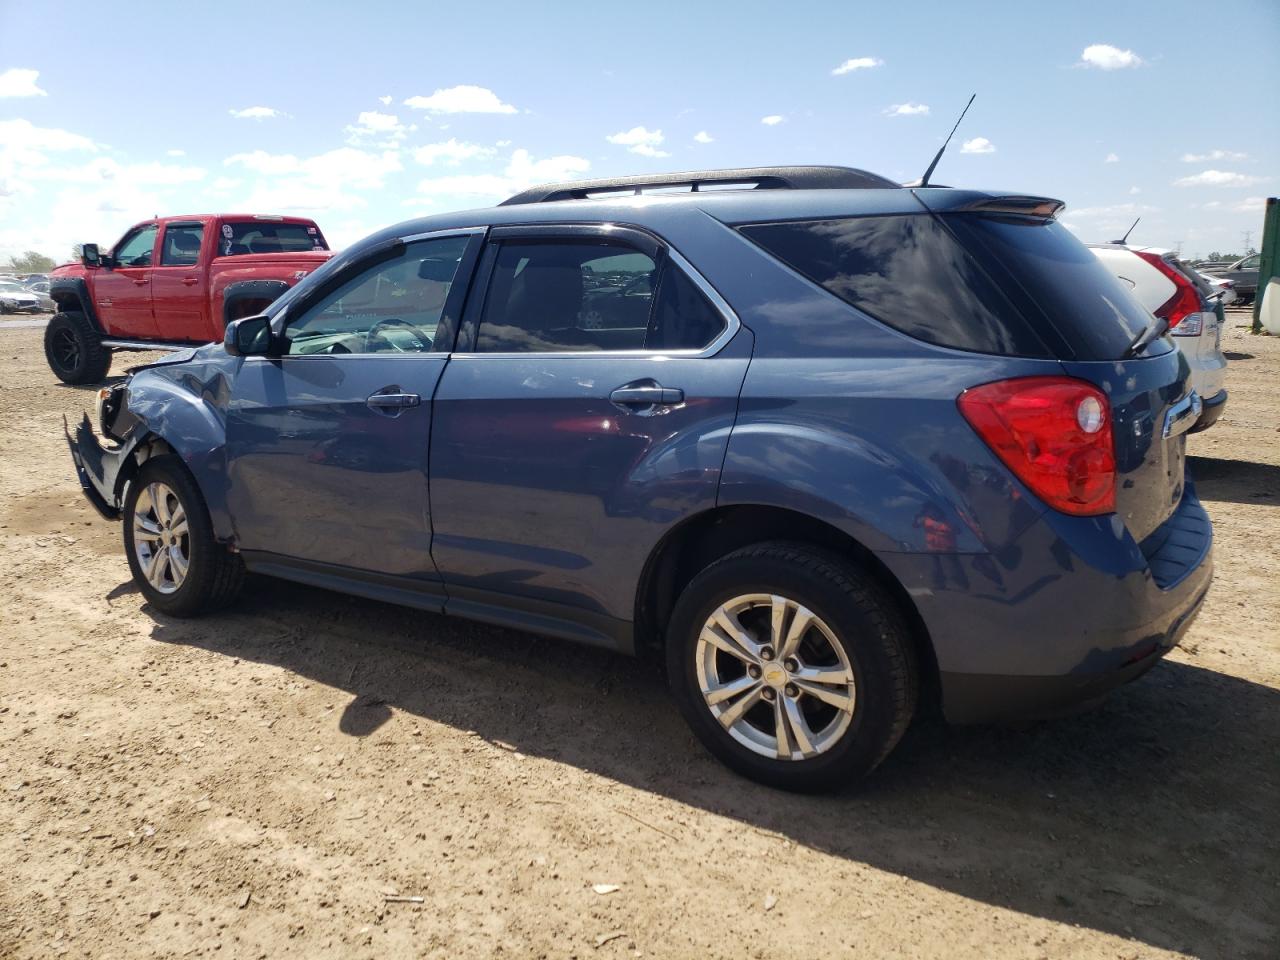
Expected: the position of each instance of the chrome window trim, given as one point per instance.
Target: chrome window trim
(732, 324)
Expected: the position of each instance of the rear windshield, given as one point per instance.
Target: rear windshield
(1008, 286)
(264, 236)
(906, 271)
(1053, 276)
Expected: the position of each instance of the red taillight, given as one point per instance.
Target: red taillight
(1054, 433)
(1185, 299)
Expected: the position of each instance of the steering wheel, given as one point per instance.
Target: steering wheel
(423, 338)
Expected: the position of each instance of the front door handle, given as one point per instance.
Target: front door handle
(139, 283)
(647, 396)
(190, 281)
(389, 401)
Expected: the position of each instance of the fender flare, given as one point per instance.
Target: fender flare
(242, 290)
(72, 294)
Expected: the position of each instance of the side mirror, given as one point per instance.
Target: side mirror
(89, 255)
(248, 337)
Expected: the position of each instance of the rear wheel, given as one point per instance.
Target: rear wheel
(793, 667)
(168, 539)
(74, 350)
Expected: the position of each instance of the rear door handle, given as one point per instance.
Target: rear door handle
(139, 283)
(647, 396)
(390, 401)
(190, 281)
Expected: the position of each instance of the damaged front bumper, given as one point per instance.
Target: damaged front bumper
(97, 467)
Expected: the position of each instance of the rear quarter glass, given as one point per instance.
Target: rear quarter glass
(908, 272)
(1058, 283)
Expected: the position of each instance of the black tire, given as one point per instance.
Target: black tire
(74, 350)
(213, 576)
(864, 620)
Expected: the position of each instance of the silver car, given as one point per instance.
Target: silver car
(14, 298)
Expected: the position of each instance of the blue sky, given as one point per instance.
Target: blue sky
(360, 115)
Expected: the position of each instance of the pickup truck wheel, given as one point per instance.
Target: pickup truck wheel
(168, 539)
(74, 350)
(792, 667)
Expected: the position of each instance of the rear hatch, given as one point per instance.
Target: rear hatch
(1090, 322)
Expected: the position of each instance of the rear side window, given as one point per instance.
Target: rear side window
(908, 272)
(1055, 277)
(266, 236)
(581, 297)
(181, 246)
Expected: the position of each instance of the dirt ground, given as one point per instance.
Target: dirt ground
(257, 784)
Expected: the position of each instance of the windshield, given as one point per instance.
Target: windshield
(12, 288)
(266, 236)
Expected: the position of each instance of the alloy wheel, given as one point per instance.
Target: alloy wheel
(775, 676)
(161, 541)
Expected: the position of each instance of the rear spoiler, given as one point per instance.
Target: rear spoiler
(1024, 206)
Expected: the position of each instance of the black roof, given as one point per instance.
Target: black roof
(761, 178)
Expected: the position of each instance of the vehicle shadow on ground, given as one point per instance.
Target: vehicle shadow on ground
(1235, 481)
(1152, 817)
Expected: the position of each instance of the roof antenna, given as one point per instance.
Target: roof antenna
(924, 181)
(1125, 239)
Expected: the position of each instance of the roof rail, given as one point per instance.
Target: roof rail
(758, 178)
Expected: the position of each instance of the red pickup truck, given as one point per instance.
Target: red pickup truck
(173, 282)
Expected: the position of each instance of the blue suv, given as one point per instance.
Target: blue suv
(824, 444)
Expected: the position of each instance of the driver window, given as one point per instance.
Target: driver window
(392, 307)
(135, 250)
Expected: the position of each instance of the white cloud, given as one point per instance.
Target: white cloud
(978, 145)
(1134, 191)
(382, 129)
(175, 153)
(451, 152)
(327, 181)
(461, 99)
(1250, 205)
(1218, 178)
(640, 140)
(256, 113)
(1214, 155)
(24, 135)
(522, 171)
(907, 110)
(1104, 56)
(17, 82)
(1111, 158)
(772, 120)
(385, 101)
(503, 143)
(703, 137)
(857, 63)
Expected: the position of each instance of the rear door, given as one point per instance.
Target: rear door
(180, 283)
(122, 292)
(327, 444)
(585, 413)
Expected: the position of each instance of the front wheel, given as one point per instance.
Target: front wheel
(74, 350)
(175, 560)
(793, 667)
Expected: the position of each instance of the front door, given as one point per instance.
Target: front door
(327, 444)
(122, 292)
(586, 413)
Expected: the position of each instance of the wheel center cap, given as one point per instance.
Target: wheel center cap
(775, 676)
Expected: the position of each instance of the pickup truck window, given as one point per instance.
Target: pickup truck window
(258, 236)
(135, 249)
(181, 246)
(392, 307)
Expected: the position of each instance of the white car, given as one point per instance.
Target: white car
(1161, 284)
(14, 296)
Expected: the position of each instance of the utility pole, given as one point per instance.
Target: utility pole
(1248, 235)
(1177, 247)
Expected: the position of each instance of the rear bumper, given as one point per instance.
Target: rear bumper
(1072, 609)
(1213, 407)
